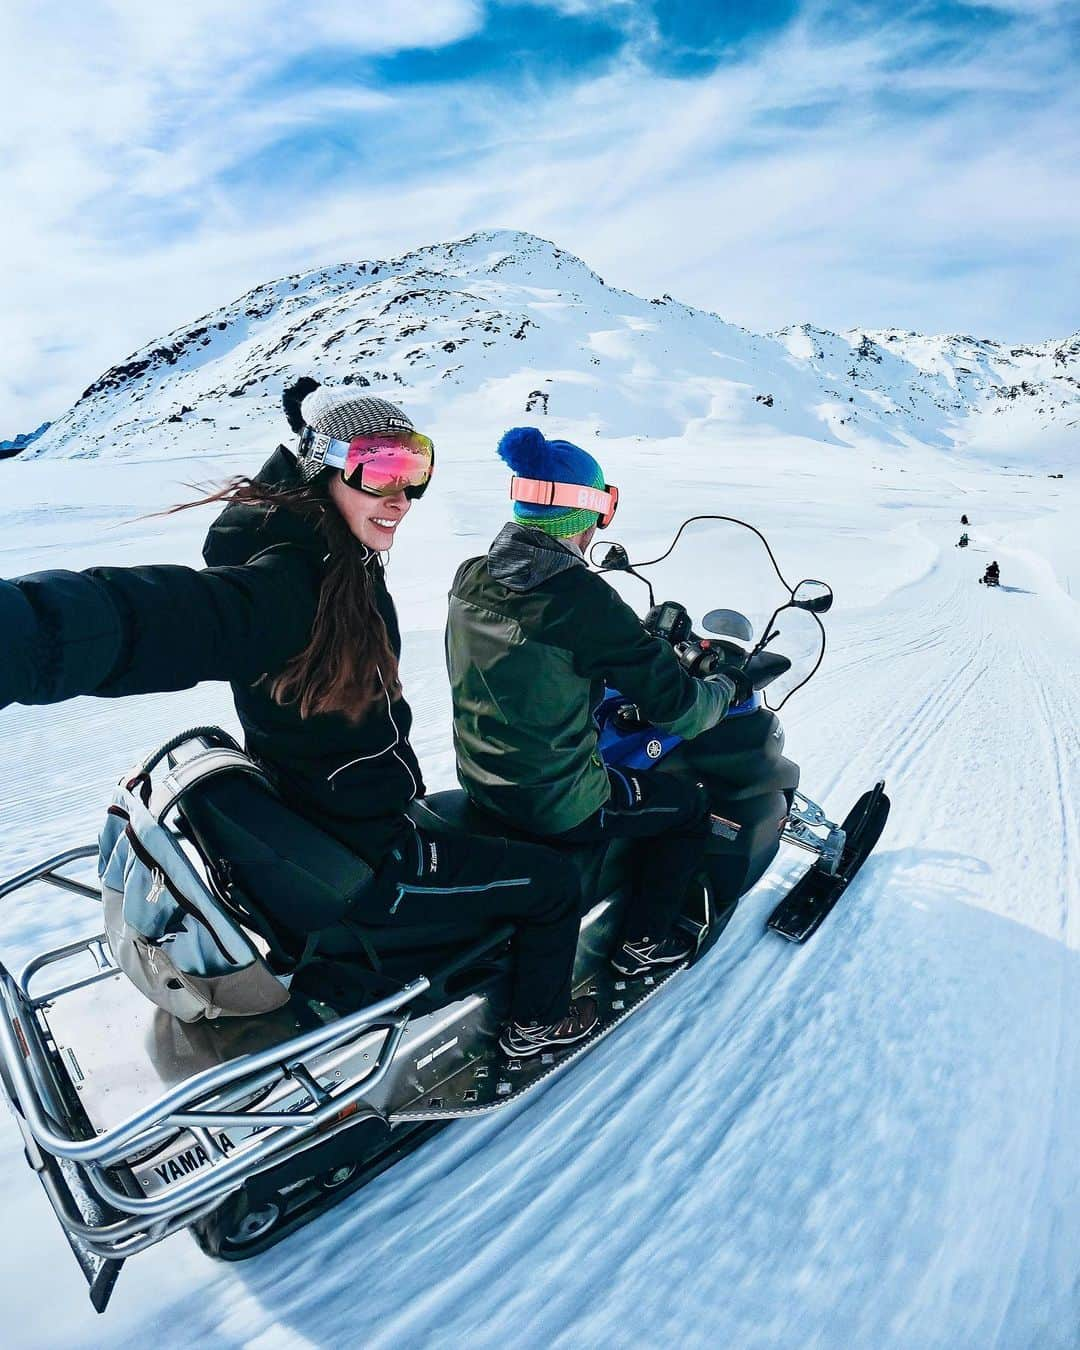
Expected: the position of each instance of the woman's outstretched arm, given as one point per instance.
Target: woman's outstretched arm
(140, 630)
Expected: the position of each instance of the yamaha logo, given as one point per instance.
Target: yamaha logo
(654, 749)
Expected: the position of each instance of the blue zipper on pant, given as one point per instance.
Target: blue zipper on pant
(403, 891)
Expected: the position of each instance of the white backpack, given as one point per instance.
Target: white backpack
(168, 930)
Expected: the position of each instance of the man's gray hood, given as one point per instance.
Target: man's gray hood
(523, 558)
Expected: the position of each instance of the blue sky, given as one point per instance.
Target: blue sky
(856, 164)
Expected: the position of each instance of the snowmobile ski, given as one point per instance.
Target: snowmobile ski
(801, 912)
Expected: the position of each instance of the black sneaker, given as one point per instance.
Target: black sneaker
(645, 956)
(521, 1039)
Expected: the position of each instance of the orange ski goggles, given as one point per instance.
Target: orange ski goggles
(542, 492)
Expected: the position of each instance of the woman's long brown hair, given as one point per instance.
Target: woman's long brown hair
(349, 664)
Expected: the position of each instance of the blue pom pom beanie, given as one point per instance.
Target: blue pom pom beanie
(528, 452)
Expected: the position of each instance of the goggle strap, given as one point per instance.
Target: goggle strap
(543, 492)
(323, 451)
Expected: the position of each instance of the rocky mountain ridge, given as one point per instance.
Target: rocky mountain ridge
(501, 326)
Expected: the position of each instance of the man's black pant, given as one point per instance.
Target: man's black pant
(483, 883)
(670, 816)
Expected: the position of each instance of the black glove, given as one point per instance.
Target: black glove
(21, 677)
(628, 718)
(739, 678)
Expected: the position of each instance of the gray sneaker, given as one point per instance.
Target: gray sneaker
(521, 1039)
(645, 956)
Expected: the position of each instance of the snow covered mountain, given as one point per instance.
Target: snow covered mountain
(502, 325)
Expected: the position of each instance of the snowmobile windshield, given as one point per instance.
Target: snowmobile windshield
(718, 569)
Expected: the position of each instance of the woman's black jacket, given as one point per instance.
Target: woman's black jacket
(112, 631)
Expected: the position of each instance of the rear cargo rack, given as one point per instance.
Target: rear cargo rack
(112, 1222)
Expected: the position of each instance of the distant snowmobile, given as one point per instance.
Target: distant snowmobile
(964, 520)
(992, 575)
(242, 1128)
(962, 542)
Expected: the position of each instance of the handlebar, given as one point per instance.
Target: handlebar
(701, 657)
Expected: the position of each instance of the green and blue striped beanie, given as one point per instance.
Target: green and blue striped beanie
(531, 455)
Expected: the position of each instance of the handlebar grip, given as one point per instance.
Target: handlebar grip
(765, 667)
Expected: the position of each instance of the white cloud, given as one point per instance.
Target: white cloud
(114, 105)
(827, 177)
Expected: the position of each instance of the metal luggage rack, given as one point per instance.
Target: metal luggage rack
(228, 1095)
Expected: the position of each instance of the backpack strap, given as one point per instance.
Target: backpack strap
(182, 777)
(311, 948)
(215, 735)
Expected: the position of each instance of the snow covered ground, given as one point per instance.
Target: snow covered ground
(869, 1141)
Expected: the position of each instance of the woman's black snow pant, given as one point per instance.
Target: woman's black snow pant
(485, 883)
(670, 817)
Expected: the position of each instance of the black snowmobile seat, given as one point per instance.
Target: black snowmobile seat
(289, 868)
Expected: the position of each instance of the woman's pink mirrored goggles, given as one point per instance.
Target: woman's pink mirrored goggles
(383, 465)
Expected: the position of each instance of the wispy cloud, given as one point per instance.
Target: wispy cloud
(858, 164)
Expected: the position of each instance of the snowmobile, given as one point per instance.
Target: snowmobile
(991, 577)
(963, 541)
(241, 1129)
(964, 520)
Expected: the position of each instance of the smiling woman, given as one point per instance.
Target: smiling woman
(294, 612)
(319, 500)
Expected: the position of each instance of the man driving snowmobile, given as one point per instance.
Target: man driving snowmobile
(992, 575)
(532, 637)
(962, 542)
(964, 520)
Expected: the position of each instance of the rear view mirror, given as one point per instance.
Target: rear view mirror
(728, 623)
(615, 559)
(816, 596)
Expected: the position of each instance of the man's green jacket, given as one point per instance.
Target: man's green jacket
(531, 639)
